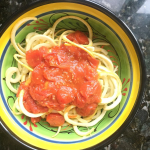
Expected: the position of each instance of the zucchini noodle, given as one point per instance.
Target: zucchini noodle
(38, 37)
(110, 82)
(10, 71)
(17, 25)
(59, 128)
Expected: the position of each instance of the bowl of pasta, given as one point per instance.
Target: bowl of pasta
(72, 75)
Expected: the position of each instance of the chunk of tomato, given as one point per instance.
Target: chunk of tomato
(91, 73)
(80, 101)
(90, 88)
(78, 37)
(53, 104)
(88, 110)
(65, 95)
(54, 59)
(72, 37)
(52, 73)
(35, 57)
(38, 92)
(57, 49)
(35, 120)
(81, 38)
(37, 74)
(34, 107)
(55, 119)
(51, 59)
(43, 50)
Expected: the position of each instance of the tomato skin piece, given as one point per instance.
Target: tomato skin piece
(90, 88)
(88, 110)
(43, 50)
(95, 98)
(35, 57)
(52, 73)
(37, 74)
(55, 105)
(35, 120)
(91, 73)
(55, 119)
(55, 49)
(62, 58)
(72, 37)
(80, 101)
(51, 59)
(75, 51)
(42, 91)
(81, 38)
(37, 92)
(34, 107)
(65, 95)
(78, 37)
(55, 59)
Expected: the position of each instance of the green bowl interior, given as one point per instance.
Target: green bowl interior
(116, 51)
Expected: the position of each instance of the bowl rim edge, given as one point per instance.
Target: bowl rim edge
(129, 33)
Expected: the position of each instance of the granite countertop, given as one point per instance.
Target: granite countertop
(136, 14)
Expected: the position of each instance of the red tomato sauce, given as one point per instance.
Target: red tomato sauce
(66, 75)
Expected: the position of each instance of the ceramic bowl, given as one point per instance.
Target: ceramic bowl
(123, 50)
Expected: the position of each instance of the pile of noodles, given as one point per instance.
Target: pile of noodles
(109, 80)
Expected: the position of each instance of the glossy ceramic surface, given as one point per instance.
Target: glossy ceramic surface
(123, 51)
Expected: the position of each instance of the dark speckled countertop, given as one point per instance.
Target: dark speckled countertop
(136, 14)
